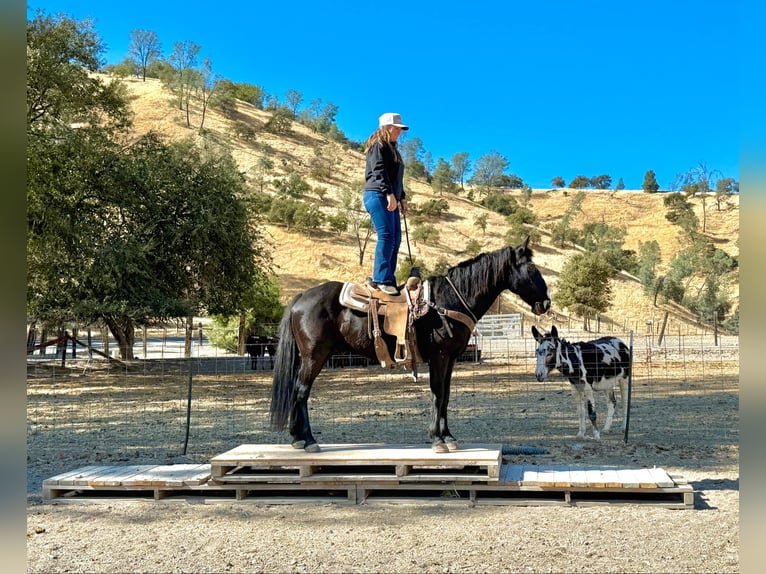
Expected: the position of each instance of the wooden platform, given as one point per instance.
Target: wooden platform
(364, 474)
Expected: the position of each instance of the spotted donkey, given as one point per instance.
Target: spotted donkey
(593, 365)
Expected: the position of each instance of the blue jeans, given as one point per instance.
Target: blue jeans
(389, 231)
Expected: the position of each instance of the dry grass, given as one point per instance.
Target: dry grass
(301, 261)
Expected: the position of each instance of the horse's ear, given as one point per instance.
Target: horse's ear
(525, 245)
(536, 334)
(554, 332)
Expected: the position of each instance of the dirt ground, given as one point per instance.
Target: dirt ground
(683, 418)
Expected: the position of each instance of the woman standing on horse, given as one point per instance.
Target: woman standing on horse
(384, 196)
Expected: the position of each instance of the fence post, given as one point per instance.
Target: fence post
(630, 389)
(188, 409)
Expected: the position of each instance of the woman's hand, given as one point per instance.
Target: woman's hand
(403, 204)
(391, 202)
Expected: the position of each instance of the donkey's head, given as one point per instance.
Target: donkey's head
(547, 344)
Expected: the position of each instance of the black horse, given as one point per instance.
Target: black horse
(315, 325)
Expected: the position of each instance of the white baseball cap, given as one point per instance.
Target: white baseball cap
(392, 119)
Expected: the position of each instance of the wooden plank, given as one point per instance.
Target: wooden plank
(117, 475)
(547, 475)
(603, 478)
(645, 478)
(529, 475)
(67, 477)
(358, 454)
(578, 476)
(627, 478)
(170, 475)
(661, 478)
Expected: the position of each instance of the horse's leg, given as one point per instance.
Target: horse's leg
(300, 427)
(440, 376)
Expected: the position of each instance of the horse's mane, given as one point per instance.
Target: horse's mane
(484, 269)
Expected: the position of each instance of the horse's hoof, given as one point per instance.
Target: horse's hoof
(313, 447)
(451, 445)
(298, 444)
(439, 447)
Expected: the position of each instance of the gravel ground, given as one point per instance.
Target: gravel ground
(433, 536)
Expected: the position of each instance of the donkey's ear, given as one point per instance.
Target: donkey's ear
(536, 334)
(554, 331)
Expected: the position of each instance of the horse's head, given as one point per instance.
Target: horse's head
(546, 351)
(529, 283)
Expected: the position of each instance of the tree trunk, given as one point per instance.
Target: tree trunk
(123, 331)
(241, 334)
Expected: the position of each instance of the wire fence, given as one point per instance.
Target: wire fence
(684, 390)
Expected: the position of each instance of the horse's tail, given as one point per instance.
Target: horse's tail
(286, 366)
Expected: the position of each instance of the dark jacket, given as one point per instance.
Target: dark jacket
(383, 173)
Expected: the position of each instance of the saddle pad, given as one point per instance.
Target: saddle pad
(355, 296)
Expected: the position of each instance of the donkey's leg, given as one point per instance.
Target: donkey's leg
(440, 374)
(611, 402)
(591, 402)
(579, 399)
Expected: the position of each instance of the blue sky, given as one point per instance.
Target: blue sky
(560, 88)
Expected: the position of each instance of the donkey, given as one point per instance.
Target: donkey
(593, 365)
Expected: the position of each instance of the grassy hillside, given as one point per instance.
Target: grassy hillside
(302, 261)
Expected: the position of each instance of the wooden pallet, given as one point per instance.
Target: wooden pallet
(375, 473)
(263, 463)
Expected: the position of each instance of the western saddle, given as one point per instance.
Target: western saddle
(399, 313)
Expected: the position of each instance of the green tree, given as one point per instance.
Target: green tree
(561, 230)
(522, 223)
(61, 91)
(443, 178)
(426, 233)
(434, 208)
(580, 182)
(152, 231)
(620, 185)
(487, 169)
(293, 186)
(526, 195)
(558, 181)
(308, 218)
(262, 307)
(358, 218)
(280, 122)
(413, 155)
(607, 241)
(185, 76)
(681, 213)
(723, 188)
(649, 257)
(144, 48)
(650, 184)
(461, 165)
(601, 181)
(583, 286)
(294, 99)
(480, 221)
(208, 82)
(501, 203)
